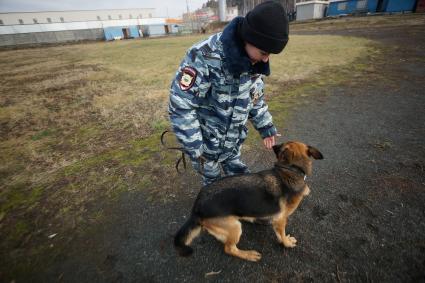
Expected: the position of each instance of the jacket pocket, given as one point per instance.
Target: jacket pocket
(211, 140)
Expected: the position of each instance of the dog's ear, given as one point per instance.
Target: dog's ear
(314, 152)
(276, 149)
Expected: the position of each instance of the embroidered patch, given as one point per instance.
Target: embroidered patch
(188, 77)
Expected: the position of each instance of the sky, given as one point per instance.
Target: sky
(163, 8)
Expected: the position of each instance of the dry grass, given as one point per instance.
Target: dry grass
(305, 56)
(59, 103)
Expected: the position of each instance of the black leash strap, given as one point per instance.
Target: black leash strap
(181, 149)
(183, 157)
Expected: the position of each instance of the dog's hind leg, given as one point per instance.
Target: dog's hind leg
(228, 230)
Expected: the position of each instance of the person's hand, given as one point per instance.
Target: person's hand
(269, 142)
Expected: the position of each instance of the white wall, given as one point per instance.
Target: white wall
(15, 29)
(310, 10)
(75, 16)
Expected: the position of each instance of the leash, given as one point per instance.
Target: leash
(183, 156)
(181, 149)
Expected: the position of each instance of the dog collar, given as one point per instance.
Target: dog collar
(293, 168)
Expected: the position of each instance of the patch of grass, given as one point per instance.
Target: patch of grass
(306, 56)
(160, 126)
(20, 229)
(42, 134)
(19, 195)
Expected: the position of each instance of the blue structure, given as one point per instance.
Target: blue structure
(112, 33)
(392, 6)
(344, 7)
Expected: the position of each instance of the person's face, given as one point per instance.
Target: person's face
(255, 54)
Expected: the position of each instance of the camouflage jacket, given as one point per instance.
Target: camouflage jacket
(215, 91)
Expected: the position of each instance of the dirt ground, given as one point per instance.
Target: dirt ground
(363, 221)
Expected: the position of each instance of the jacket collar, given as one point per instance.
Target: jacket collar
(236, 59)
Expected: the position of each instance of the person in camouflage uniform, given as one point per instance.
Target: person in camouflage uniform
(219, 86)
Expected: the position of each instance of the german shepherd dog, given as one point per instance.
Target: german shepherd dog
(270, 195)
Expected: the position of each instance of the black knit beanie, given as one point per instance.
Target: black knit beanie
(266, 27)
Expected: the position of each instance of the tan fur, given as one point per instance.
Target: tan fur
(228, 230)
(192, 235)
(248, 219)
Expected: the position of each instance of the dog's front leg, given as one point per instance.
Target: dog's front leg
(279, 225)
(306, 191)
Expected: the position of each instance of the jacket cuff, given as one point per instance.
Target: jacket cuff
(268, 131)
(194, 154)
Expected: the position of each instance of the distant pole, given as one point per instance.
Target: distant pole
(188, 14)
(222, 10)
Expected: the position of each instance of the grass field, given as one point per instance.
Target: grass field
(80, 123)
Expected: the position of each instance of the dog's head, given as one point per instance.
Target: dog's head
(298, 154)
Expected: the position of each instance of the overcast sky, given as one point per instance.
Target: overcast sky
(164, 8)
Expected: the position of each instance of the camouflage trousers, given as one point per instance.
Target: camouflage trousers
(211, 170)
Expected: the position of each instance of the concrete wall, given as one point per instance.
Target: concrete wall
(50, 37)
(12, 29)
(63, 32)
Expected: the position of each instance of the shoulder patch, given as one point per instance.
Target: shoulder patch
(187, 79)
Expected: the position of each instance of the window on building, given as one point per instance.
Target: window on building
(62, 20)
(150, 15)
(21, 22)
(35, 21)
(49, 20)
(1, 22)
(120, 16)
(361, 4)
(98, 18)
(342, 6)
(109, 17)
(140, 16)
(130, 16)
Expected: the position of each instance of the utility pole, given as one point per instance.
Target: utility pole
(190, 17)
(222, 10)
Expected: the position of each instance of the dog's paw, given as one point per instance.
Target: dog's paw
(252, 255)
(289, 241)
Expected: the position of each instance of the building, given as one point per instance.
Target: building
(247, 5)
(25, 18)
(346, 7)
(397, 6)
(231, 13)
(309, 10)
(26, 28)
(420, 6)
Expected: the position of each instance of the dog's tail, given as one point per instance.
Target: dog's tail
(186, 234)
